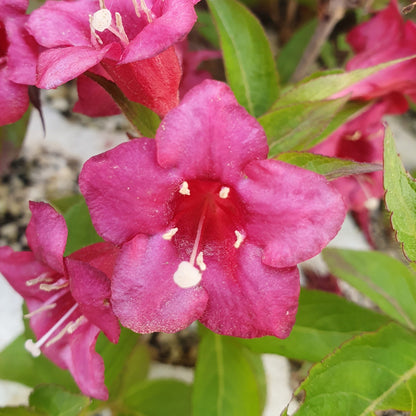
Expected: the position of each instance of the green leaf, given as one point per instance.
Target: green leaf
(386, 281)
(248, 60)
(298, 126)
(325, 86)
(81, 232)
(400, 197)
(323, 322)
(330, 167)
(289, 56)
(205, 26)
(55, 401)
(226, 382)
(19, 411)
(63, 204)
(159, 398)
(372, 372)
(144, 120)
(16, 364)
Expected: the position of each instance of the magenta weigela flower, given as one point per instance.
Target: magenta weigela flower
(210, 229)
(131, 40)
(68, 298)
(17, 60)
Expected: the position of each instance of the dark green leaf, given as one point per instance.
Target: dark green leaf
(289, 56)
(372, 372)
(323, 322)
(400, 197)
(55, 401)
(248, 60)
(18, 365)
(19, 411)
(330, 167)
(386, 281)
(142, 118)
(226, 383)
(159, 398)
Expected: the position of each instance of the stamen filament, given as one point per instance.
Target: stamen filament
(51, 301)
(198, 235)
(34, 348)
(44, 277)
(43, 308)
(53, 286)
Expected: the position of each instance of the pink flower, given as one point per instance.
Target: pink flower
(385, 37)
(210, 229)
(17, 60)
(131, 40)
(68, 299)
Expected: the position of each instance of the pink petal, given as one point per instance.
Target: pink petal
(209, 135)
(144, 295)
(293, 213)
(250, 299)
(127, 192)
(91, 290)
(46, 235)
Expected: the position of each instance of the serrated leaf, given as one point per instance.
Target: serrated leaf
(400, 197)
(144, 120)
(55, 401)
(372, 372)
(289, 56)
(297, 126)
(248, 60)
(324, 86)
(384, 280)
(225, 380)
(323, 322)
(159, 398)
(16, 364)
(81, 232)
(330, 167)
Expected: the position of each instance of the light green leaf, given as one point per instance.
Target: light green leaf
(400, 197)
(62, 205)
(159, 398)
(248, 60)
(373, 372)
(144, 120)
(289, 56)
(81, 232)
(330, 167)
(298, 126)
(55, 401)
(323, 87)
(16, 364)
(226, 383)
(323, 322)
(386, 281)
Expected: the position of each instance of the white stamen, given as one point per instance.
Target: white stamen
(240, 238)
(185, 189)
(34, 348)
(186, 275)
(43, 308)
(225, 190)
(120, 28)
(95, 39)
(44, 277)
(53, 286)
(200, 261)
(168, 235)
(101, 20)
(372, 203)
(73, 326)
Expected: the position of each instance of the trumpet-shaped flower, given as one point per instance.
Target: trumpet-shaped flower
(130, 40)
(210, 229)
(68, 298)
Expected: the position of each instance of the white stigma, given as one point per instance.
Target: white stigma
(168, 235)
(101, 20)
(186, 275)
(200, 261)
(184, 190)
(240, 238)
(372, 203)
(225, 190)
(32, 348)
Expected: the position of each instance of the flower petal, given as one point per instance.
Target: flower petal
(127, 193)
(144, 295)
(250, 299)
(293, 213)
(46, 235)
(209, 135)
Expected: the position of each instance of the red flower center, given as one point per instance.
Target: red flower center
(4, 44)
